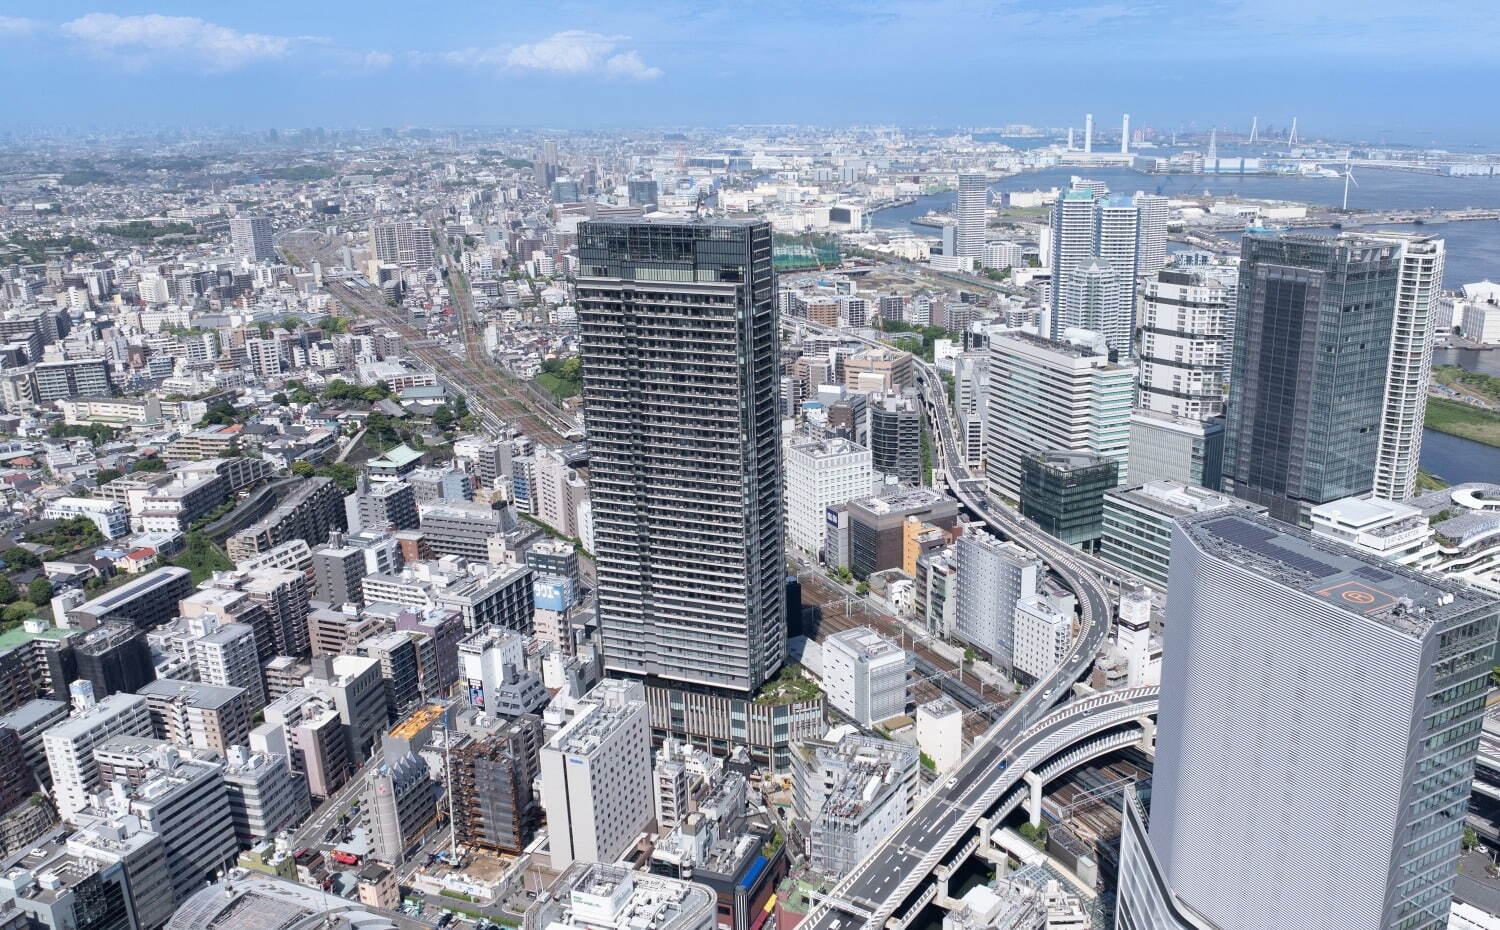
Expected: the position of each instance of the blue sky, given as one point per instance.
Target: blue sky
(1405, 70)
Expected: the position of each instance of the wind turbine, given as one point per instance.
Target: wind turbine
(1348, 176)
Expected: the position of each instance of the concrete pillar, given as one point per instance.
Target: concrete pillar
(1033, 803)
(1148, 734)
(940, 876)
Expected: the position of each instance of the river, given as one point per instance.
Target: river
(1457, 460)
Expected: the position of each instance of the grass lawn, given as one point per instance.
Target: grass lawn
(1459, 419)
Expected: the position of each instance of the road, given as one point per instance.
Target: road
(871, 891)
(326, 815)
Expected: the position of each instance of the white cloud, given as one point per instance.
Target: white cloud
(629, 65)
(571, 52)
(140, 39)
(18, 26)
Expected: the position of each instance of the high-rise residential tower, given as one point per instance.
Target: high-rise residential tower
(250, 236)
(1315, 751)
(1410, 368)
(680, 369)
(1184, 354)
(1307, 386)
(1073, 230)
(973, 197)
(1152, 249)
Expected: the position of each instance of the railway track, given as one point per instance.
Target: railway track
(818, 591)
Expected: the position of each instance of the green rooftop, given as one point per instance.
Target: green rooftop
(19, 636)
(396, 458)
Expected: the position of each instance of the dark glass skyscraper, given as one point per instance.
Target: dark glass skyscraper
(680, 371)
(1312, 348)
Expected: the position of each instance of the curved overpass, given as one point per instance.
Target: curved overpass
(990, 783)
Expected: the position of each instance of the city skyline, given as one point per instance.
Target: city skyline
(285, 64)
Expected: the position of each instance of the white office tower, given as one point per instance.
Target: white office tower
(70, 746)
(1133, 638)
(973, 198)
(1419, 285)
(1092, 300)
(1088, 132)
(596, 776)
(1125, 134)
(1151, 244)
(993, 577)
(251, 238)
(1316, 746)
(819, 474)
(864, 675)
(1049, 395)
(1184, 355)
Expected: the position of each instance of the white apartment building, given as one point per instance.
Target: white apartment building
(1047, 395)
(821, 473)
(70, 746)
(225, 654)
(1409, 372)
(1044, 627)
(108, 516)
(596, 776)
(864, 675)
(1184, 360)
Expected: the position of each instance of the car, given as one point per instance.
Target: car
(951, 782)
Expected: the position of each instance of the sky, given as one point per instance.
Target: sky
(1416, 71)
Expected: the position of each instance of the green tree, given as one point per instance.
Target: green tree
(220, 413)
(18, 611)
(862, 589)
(301, 395)
(149, 463)
(304, 469)
(7, 591)
(106, 475)
(333, 324)
(343, 474)
(17, 558)
(442, 418)
(39, 591)
(291, 323)
(279, 398)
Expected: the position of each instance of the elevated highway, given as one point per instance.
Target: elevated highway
(956, 817)
(1026, 736)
